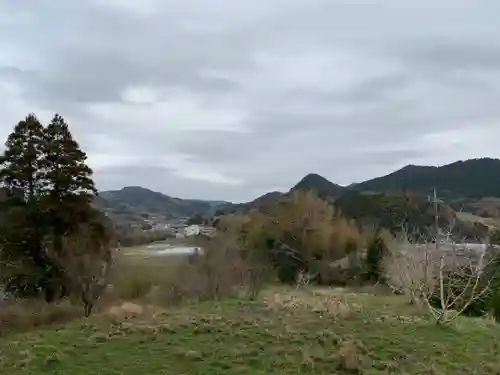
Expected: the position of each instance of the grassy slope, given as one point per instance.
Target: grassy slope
(377, 335)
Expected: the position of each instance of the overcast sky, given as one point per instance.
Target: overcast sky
(229, 99)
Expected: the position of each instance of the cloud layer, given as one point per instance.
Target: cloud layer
(226, 99)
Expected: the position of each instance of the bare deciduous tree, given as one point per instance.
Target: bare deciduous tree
(405, 272)
(308, 230)
(246, 234)
(457, 276)
(86, 258)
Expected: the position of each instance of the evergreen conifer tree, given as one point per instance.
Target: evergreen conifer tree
(24, 267)
(68, 185)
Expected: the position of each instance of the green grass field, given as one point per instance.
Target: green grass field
(284, 332)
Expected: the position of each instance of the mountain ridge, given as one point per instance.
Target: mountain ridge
(136, 203)
(460, 179)
(455, 182)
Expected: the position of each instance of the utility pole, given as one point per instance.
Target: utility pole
(435, 201)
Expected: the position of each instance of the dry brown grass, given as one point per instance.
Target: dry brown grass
(324, 304)
(148, 281)
(28, 315)
(351, 356)
(134, 277)
(167, 280)
(125, 310)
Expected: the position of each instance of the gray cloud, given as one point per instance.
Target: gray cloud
(227, 100)
(455, 55)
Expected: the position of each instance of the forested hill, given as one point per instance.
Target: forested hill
(133, 203)
(401, 197)
(474, 178)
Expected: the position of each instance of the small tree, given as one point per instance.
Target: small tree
(355, 264)
(86, 258)
(248, 234)
(405, 270)
(440, 278)
(255, 254)
(221, 267)
(376, 252)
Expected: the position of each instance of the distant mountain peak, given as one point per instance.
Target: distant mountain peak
(318, 184)
(314, 177)
(135, 188)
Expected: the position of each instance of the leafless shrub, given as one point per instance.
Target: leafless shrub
(304, 279)
(458, 280)
(454, 275)
(406, 271)
(221, 269)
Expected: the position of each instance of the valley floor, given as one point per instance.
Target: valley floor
(284, 332)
